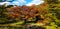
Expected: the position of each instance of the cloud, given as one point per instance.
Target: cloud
(15, 2)
(36, 2)
(23, 2)
(1, 3)
(19, 2)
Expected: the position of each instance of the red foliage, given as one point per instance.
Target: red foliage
(12, 16)
(25, 10)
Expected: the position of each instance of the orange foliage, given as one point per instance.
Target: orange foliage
(17, 15)
(12, 16)
(28, 11)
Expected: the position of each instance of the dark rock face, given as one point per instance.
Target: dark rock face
(9, 6)
(38, 18)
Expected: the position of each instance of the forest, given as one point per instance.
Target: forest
(42, 16)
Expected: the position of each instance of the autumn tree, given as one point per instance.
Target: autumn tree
(3, 13)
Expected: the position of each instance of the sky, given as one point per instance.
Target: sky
(22, 2)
